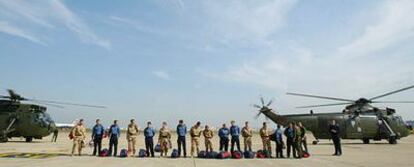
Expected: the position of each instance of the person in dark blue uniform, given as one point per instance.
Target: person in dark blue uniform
(279, 142)
(290, 140)
(181, 132)
(97, 135)
(224, 138)
(149, 133)
(114, 134)
(336, 137)
(235, 136)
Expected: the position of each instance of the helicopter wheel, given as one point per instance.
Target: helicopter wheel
(4, 139)
(365, 140)
(392, 140)
(29, 139)
(315, 142)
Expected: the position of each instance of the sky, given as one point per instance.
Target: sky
(204, 60)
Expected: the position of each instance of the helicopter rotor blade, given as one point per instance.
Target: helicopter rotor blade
(320, 97)
(257, 106)
(66, 103)
(257, 115)
(270, 102)
(393, 92)
(392, 102)
(324, 105)
(52, 105)
(6, 97)
(262, 100)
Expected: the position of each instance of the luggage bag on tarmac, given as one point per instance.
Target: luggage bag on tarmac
(224, 155)
(249, 154)
(211, 154)
(202, 154)
(123, 153)
(174, 153)
(237, 155)
(104, 153)
(142, 153)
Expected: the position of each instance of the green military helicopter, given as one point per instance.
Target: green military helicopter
(359, 119)
(27, 120)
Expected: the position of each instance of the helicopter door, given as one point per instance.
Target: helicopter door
(353, 127)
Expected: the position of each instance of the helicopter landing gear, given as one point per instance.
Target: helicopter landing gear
(365, 140)
(3, 135)
(3, 138)
(392, 140)
(29, 139)
(315, 142)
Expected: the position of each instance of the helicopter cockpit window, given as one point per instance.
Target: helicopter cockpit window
(44, 119)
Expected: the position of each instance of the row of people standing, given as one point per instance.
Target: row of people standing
(295, 134)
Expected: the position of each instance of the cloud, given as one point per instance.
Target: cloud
(395, 25)
(40, 17)
(162, 75)
(12, 30)
(246, 20)
(293, 66)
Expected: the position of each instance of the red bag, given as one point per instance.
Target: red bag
(237, 155)
(70, 135)
(104, 153)
(224, 155)
(306, 155)
(260, 154)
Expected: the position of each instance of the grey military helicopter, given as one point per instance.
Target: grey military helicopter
(359, 120)
(27, 120)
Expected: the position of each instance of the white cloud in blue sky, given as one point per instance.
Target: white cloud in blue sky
(207, 60)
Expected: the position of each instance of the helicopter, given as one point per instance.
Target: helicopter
(358, 120)
(30, 121)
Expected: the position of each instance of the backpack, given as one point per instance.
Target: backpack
(237, 155)
(174, 153)
(260, 154)
(202, 154)
(104, 153)
(142, 153)
(157, 148)
(123, 153)
(267, 153)
(224, 155)
(211, 154)
(249, 154)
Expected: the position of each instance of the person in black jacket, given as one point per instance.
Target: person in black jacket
(336, 137)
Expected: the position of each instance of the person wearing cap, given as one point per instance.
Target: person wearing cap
(164, 139)
(114, 134)
(79, 135)
(235, 136)
(181, 133)
(208, 135)
(132, 134)
(149, 134)
(97, 134)
(195, 133)
(247, 134)
(224, 133)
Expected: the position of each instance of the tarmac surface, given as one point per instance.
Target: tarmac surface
(46, 154)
